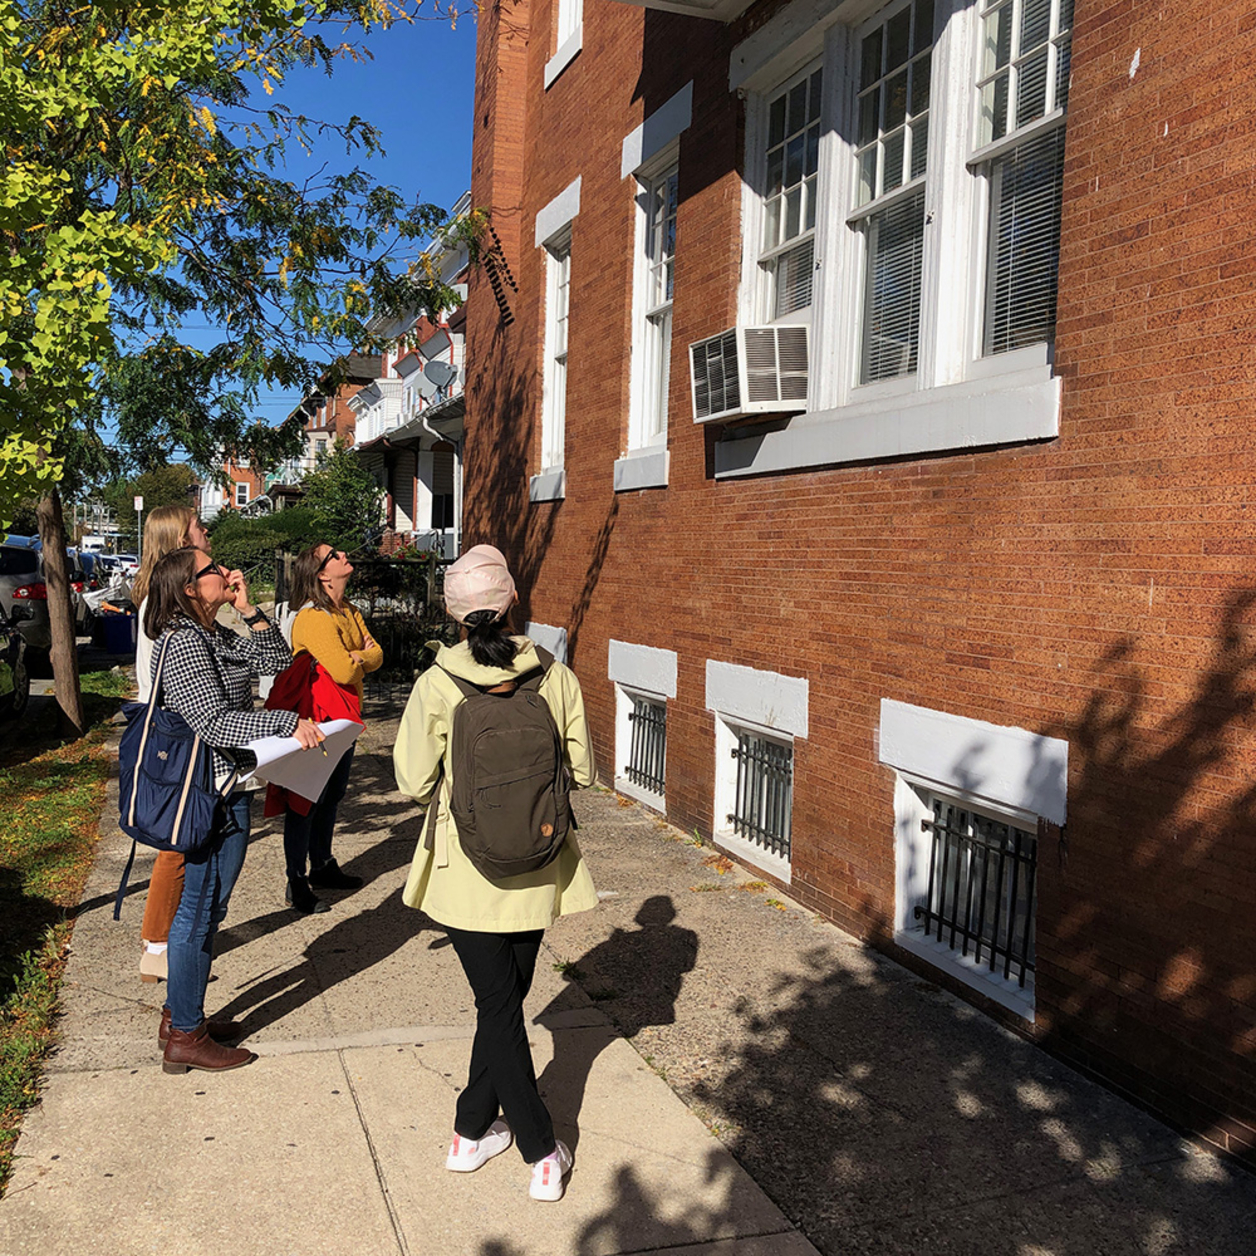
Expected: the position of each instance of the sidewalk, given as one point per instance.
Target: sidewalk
(850, 1098)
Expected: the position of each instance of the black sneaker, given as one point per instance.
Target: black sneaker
(302, 898)
(330, 877)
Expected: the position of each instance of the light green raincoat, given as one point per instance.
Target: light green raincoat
(442, 881)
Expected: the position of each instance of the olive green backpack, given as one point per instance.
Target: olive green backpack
(510, 791)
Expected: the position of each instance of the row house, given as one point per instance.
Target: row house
(327, 420)
(410, 419)
(870, 428)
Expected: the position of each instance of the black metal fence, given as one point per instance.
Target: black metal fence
(982, 885)
(763, 800)
(647, 754)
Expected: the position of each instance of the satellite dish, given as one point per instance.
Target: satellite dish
(441, 373)
(424, 386)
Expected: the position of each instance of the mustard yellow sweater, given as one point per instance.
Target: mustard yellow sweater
(330, 636)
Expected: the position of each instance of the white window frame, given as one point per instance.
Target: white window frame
(637, 671)
(767, 256)
(648, 397)
(552, 232)
(1006, 773)
(956, 398)
(241, 499)
(568, 37)
(770, 704)
(557, 347)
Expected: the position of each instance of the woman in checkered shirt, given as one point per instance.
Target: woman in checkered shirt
(207, 678)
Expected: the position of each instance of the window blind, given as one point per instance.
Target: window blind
(891, 335)
(1024, 249)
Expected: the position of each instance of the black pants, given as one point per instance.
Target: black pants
(499, 967)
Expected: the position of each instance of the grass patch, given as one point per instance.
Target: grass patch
(569, 969)
(48, 830)
(111, 684)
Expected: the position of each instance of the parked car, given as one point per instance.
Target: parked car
(15, 678)
(22, 585)
(130, 565)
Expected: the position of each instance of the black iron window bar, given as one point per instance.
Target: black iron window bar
(763, 799)
(982, 878)
(647, 753)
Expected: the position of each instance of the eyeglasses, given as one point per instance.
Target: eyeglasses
(328, 557)
(212, 569)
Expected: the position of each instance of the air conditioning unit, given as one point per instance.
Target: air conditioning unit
(749, 370)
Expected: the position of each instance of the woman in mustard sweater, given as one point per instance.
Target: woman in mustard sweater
(331, 630)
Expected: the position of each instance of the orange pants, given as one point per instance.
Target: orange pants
(165, 888)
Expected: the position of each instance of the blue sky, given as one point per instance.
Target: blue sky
(418, 90)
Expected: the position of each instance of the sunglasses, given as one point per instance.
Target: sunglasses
(328, 557)
(212, 569)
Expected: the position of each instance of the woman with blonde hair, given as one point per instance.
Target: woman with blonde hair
(167, 528)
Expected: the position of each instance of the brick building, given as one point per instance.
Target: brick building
(870, 426)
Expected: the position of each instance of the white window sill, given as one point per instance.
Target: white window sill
(647, 796)
(549, 486)
(565, 55)
(642, 468)
(999, 410)
(994, 986)
(548, 637)
(755, 855)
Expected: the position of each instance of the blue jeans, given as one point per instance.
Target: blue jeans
(309, 836)
(209, 876)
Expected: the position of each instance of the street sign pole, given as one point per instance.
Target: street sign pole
(139, 527)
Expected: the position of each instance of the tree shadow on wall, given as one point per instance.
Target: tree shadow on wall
(884, 1115)
(1150, 951)
(500, 437)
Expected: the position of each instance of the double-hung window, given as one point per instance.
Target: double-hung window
(554, 401)
(1023, 88)
(903, 196)
(241, 493)
(658, 200)
(787, 251)
(895, 67)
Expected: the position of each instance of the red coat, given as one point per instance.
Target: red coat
(305, 687)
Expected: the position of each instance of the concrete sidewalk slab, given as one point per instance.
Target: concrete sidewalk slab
(334, 1140)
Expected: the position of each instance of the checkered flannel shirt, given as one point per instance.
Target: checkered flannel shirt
(208, 679)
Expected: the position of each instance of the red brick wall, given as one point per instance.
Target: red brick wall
(1095, 588)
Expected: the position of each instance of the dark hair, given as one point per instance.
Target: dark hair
(306, 586)
(489, 639)
(167, 591)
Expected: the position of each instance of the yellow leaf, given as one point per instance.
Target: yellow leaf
(270, 91)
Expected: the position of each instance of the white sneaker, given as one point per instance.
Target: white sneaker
(548, 1175)
(466, 1155)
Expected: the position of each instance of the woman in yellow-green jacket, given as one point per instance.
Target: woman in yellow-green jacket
(495, 926)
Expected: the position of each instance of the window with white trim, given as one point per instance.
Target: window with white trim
(1024, 80)
(763, 791)
(915, 162)
(570, 19)
(759, 717)
(554, 399)
(791, 165)
(657, 201)
(895, 66)
(241, 493)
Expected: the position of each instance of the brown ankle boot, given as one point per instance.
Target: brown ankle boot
(198, 1050)
(219, 1031)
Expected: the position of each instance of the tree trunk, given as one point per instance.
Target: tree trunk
(65, 673)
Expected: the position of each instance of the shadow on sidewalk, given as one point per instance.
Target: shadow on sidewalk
(349, 948)
(638, 976)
